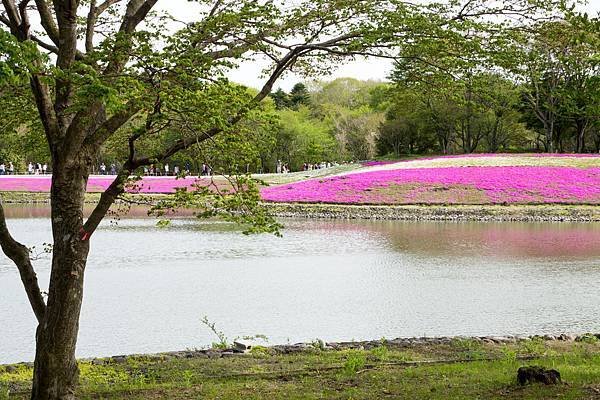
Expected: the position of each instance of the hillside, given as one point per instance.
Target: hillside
(475, 179)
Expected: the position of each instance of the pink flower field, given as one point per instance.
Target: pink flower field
(492, 179)
(96, 184)
(448, 185)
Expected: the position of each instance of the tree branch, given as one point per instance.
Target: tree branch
(19, 254)
(95, 12)
(136, 12)
(111, 125)
(47, 20)
(108, 197)
(66, 15)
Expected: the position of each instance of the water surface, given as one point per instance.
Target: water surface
(148, 288)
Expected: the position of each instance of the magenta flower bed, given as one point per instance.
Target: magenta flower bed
(149, 184)
(478, 155)
(451, 185)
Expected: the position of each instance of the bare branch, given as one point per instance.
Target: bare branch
(111, 125)
(136, 12)
(95, 12)
(108, 197)
(13, 19)
(19, 254)
(47, 20)
(66, 15)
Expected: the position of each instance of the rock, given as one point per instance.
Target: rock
(214, 354)
(534, 373)
(119, 359)
(244, 345)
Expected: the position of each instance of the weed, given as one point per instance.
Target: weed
(261, 351)
(534, 347)
(188, 376)
(380, 353)
(471, 349)
(318, 344)
(101, 376)
(355, 361)
(223, 342)
(588, 338)
(4, 392)
(508, 354)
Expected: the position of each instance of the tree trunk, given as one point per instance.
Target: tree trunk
(55, 369)
(550, 137)
(580, 141)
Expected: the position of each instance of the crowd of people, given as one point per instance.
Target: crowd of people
(321, 165)
(32, 168)
(166, 170)
(284, 168)
(7, 169)
(155, 170)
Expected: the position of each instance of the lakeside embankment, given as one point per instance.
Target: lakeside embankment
(415, 212)
(492, 213)
(416, 368)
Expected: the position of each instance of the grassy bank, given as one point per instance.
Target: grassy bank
(459, 369)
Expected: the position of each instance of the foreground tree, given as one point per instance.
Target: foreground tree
(112, 71)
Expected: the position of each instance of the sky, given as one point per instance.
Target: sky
(249, 73)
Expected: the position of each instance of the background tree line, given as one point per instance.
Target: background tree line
(538, 92)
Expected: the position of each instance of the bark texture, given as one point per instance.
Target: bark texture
(55, 369)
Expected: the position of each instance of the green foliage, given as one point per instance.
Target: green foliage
(355, 361)
(299, 96)
(588, 338)
(381, 353)
(301, 139)
(260, 351)
(281, 99)
(234, 199)
(4, 392)
(509, 354)
(534, 347)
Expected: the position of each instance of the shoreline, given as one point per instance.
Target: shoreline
(458, 213)
(241, 347)
(410, 212)
(413, 368)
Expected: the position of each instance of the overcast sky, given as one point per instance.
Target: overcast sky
(249, 73)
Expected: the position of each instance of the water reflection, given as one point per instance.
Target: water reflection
(147, 288)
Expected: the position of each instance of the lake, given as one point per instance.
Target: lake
(148, 288)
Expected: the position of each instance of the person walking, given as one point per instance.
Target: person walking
(30, 168)
(2, 169)
(44, 169)
(102, 169)
(11, 168)
(113, 169)
(167, 169)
